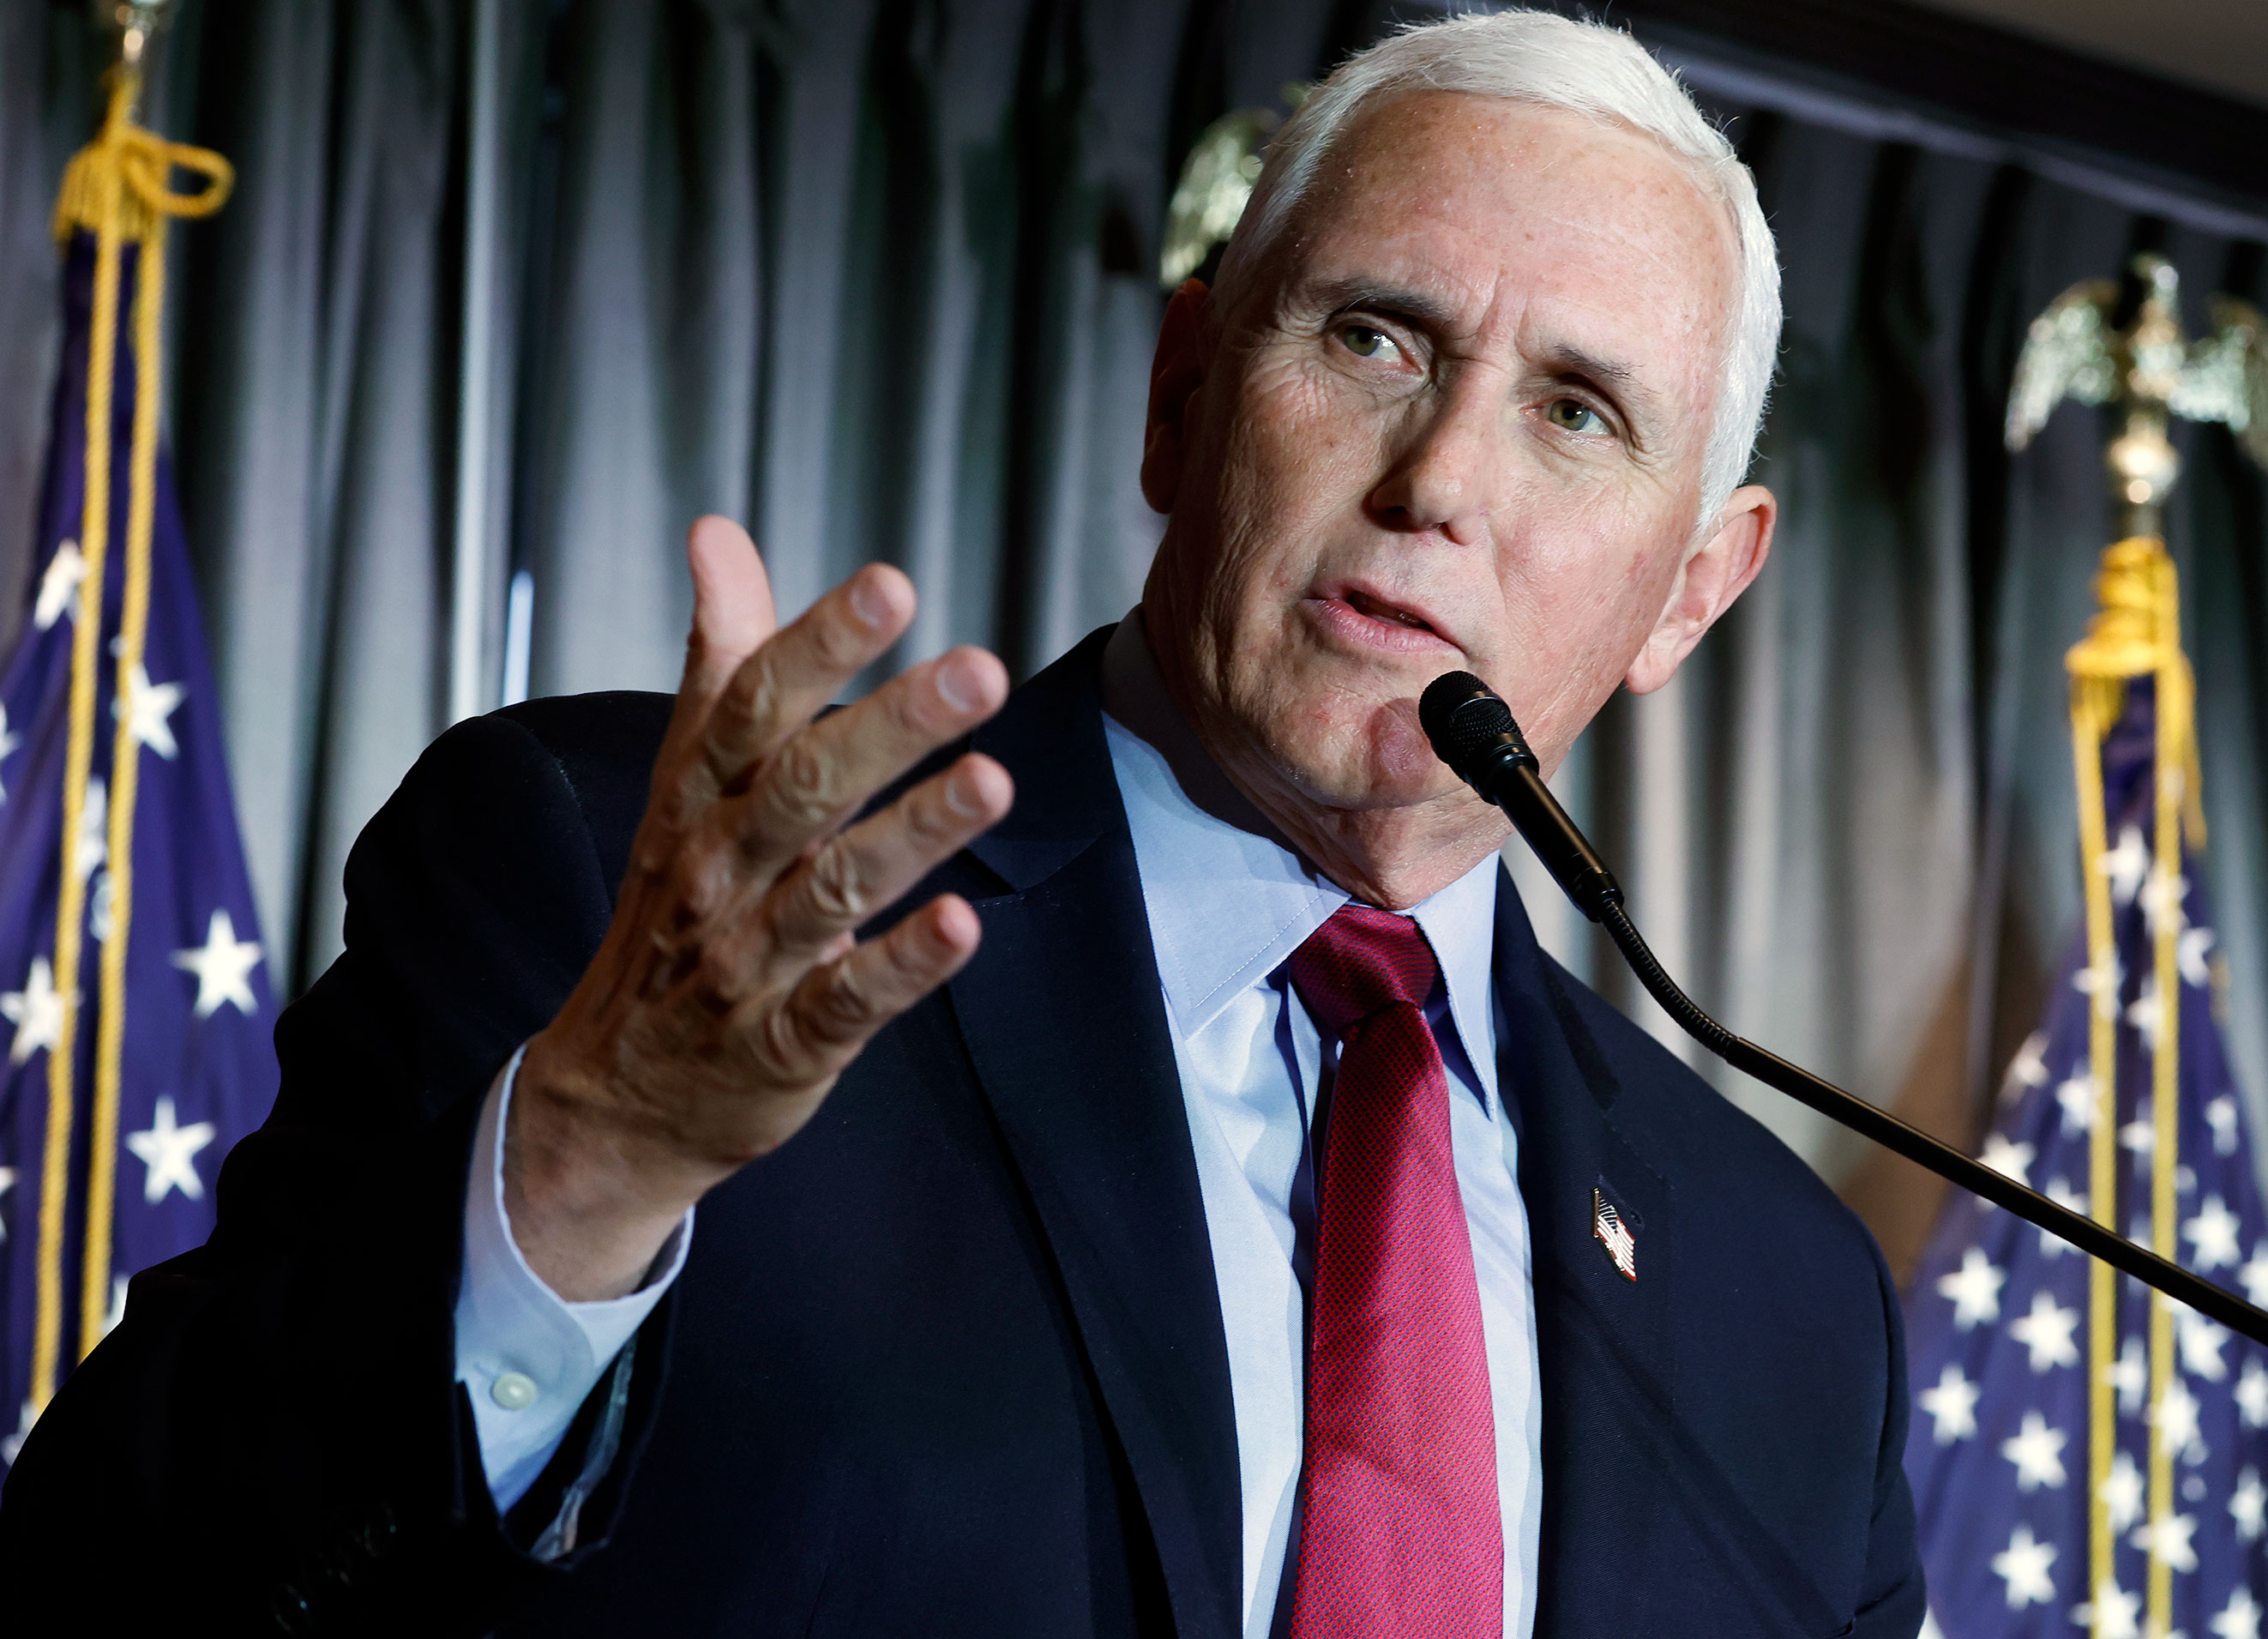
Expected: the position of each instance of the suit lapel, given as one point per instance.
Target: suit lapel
(1605, 1344)
(1064, 1021)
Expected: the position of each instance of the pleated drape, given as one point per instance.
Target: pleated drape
(878, 276)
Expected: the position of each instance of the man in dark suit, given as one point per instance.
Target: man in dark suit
(1149, 1180)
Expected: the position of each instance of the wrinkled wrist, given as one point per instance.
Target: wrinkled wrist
(591, 1200)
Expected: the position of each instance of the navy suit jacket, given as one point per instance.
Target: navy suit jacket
(952, 1361)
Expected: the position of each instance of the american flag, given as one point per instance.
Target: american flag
(1998, 1317)
(196, 1071)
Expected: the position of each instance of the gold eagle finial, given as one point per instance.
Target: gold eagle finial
(2076, 350)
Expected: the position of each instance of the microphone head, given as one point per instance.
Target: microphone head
(1469, 725)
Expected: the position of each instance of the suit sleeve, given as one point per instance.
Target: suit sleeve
(1894, 1604)
(274, 1436)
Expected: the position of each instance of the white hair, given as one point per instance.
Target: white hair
(1555, 62)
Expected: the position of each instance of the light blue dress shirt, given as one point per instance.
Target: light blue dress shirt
(1227, 903)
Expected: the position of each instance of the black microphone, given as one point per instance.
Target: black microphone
(1473, 731)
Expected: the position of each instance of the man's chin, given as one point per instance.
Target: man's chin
(1370, 756)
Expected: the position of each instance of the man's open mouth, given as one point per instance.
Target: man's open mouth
(1363, 603)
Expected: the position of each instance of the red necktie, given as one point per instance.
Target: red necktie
(1401, 1537)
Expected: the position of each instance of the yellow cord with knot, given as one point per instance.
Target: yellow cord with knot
(2135, 632)
(117, 187)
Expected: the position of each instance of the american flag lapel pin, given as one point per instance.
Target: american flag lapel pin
(1607, 1226)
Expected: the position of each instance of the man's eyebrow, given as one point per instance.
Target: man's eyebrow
(1570, 360)
(1402, 301)
(1611, 376)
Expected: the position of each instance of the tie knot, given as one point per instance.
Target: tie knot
(1361, 961)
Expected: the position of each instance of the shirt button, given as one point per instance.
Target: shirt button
(514, 1391)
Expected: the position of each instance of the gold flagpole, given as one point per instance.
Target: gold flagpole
(2135, 634)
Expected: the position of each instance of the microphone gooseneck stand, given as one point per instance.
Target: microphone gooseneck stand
(1472, 731)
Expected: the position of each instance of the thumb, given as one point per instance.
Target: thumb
(732, 606)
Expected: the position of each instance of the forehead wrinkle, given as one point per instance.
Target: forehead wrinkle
(1423, 288)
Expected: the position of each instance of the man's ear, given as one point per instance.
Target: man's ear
(1714, 572)
(1176, 373)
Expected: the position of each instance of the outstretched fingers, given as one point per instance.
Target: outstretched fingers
(824, 772)
(838, 1005)
(857, 875)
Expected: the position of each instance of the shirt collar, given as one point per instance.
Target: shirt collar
(1227, 898)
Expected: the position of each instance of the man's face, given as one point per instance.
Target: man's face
(1458, 425)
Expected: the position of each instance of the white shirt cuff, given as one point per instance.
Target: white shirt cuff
(529, 1357)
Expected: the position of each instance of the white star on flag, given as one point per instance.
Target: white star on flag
(1952, 1404)
(148, 705)
(2239, 1618)
(102, 909)
(36, 1011)
(2200, 1341)
(222, 965)
(2168, 1540)
(2162, 900)
(8, 743)
(2214, 1233)
(11, 1444)
(2027, 1068)
(2176, 1418)
(117, 1283)
(170, 1154)
(2190, 954)
(2047, 1332)
(2024, 1566)
(2140, 1135)
(93, 830)
(2248, 1505)
(2254, 1276)
(2252, 1395)
(7, 1182)
(2126, 864)
(1974, 1288)
(2147, 1015)
(2102, 983)
(65, 570)
(2060, 1191)
(2036, 1450)
(2121, 1611)
(2077, 1098)
(2008, 1157)
(2220, 1116)
(2130, 1377)
(2121, 1493)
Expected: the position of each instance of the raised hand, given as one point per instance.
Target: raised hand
(730, 991)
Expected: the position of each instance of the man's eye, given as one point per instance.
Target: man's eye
(1365, 343)
(1574, 415)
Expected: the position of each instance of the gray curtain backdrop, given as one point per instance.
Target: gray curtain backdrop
(878, 276)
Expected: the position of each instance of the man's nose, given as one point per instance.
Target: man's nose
(1442, 473)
